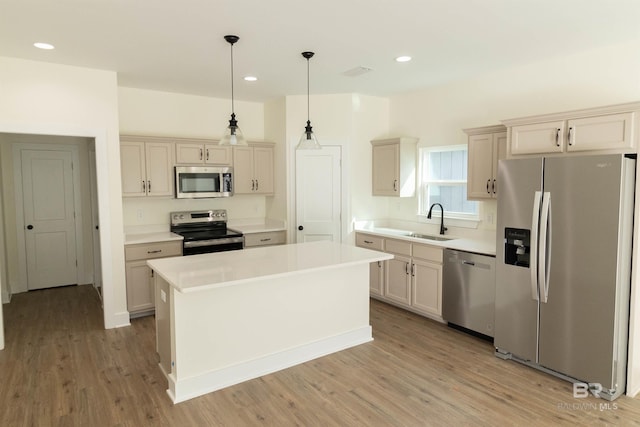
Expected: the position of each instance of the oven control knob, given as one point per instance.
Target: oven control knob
(181, 216)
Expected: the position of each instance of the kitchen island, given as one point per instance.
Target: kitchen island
(228, 317)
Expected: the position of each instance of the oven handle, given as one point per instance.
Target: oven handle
(213, 242)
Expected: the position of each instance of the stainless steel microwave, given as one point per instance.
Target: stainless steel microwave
(200, 182)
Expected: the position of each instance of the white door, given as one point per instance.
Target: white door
(318, 194)
(95, 224)
(49, 218)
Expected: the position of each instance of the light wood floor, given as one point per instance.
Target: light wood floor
(60, 367)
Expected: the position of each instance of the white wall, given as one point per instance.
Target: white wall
(275, 131)
(50, 99)
(155, 113)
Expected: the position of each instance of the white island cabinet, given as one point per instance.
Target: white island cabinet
(228, 317)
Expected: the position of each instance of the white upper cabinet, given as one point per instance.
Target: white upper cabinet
(486, 146)
(613, 131)
(607, 129)
(538, 138)
(253, 169)
(394, 167)
(193, 153)
(147, 168)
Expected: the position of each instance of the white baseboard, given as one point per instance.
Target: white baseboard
(5, 297)
(118, 320)
(188, 388)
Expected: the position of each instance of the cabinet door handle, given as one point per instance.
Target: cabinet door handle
(266, 240)
(201, 154)
(406, 268)
(569, 136)
(413, 270)
(144, 187)
(253, 185)
(368, 242)
(493, 186)
(488, 181)
(558, 137)
(148, 186)
(157, 251)
(379, 264)
(207, 155)
(257, 184)
(395, 185)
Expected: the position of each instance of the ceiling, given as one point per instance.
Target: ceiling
(178, 46)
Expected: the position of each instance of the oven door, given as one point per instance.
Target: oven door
(195, 182)
(196, 247)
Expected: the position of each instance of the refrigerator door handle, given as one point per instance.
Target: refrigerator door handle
(544, 250)
(533, 262)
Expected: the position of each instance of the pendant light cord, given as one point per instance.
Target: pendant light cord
(232, 106)
(308, 115)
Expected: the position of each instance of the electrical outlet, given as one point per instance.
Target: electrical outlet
(490, 218)
(140, 215)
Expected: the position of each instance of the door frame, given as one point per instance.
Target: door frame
(17, 148)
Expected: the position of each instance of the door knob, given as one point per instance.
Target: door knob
(29, 227)
(300, 228)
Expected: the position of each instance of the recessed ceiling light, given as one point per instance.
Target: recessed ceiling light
(403, 59)
(250, 78)
(45, 46)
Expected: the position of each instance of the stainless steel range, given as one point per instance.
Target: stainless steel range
(205, 232)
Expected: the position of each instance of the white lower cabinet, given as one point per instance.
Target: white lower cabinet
(398, 280)
(412, 279)
(139, 277)
(376, 278)
(426, 292)
(265, 238)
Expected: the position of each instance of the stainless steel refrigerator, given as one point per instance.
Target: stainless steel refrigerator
(563, 261)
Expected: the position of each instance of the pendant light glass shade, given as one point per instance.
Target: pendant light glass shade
(232, 134)
(308, 140)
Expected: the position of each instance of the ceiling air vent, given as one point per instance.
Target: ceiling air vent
(357, 71)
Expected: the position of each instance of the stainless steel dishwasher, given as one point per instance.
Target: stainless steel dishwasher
(468, 291)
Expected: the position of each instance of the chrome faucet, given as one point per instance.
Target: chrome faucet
(442, 227)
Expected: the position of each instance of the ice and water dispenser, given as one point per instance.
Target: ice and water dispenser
(517, 242)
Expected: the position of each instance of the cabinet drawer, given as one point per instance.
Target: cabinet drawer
(370, 242)
(428, 253)
(398, 247)
(264, 239)
(153, 250)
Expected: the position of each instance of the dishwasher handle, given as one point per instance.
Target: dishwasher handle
(457, 260)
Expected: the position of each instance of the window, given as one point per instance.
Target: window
(443, 179)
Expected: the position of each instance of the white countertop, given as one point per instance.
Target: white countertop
(257, 228)
(485, 244)
(160, 236)
(215, 270)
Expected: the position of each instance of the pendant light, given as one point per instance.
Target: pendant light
(233, 134)
(308, 139)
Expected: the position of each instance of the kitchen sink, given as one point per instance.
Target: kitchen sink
(429, 237)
